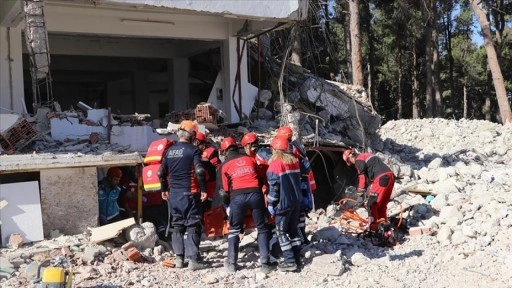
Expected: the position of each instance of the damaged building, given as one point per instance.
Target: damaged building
(119, 71)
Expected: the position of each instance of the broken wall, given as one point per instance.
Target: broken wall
(69, 199)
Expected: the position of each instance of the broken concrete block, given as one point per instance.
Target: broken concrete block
(327, 264)
(358, 259)
(15, 241)
(143, 236)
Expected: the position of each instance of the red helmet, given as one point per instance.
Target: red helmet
(249, 138)
(280, 143)
(346, 154)
(227, 143)
(285, 131)
(188, 126)
(200, 137)
(114, 172)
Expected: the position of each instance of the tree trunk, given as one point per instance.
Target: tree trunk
(465, 94)
(448, 41)
(429, 45)
(371, 56)
(492, 58)
(399, 89)
(438, 108)
(415, 86)
(355, 41)
(348, 46)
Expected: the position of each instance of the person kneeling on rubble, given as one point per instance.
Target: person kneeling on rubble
(186, 188)
(284, 201)
(371, 167)
(108, 193)
(240, 190)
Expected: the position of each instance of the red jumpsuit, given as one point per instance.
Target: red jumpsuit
(371, 168)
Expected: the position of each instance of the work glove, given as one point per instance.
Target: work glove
(371, 200)
(271, 210)
(228, 209)
(225, 197)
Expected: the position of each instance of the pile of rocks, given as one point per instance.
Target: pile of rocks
(461, 219)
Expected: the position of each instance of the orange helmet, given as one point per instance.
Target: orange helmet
(285, 131)
(114, 172)
(249, 138)
(346, 155)
(280, 143)
(189, 126)
(200, 137)
(227, 143)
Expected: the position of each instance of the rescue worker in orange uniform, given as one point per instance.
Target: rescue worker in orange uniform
(184, 176)
(208, 152)
(241, 190)
(308, 184)
(374, 173)
(284, 201)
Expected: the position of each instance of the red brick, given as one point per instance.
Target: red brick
(415, 231)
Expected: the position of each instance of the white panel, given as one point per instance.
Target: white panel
(23, 213)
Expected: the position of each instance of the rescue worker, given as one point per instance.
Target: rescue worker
(240, 188)
(211, 172)
(108, 194)
(284, 201)
(381, 181)
(262, 155)
(207, 151)
(181, 164)
(308, 184)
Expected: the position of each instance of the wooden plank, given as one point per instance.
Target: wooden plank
(23, 214)
(110, 231)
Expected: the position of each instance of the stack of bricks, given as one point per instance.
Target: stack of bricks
(206, 113)
(19, 135)
(5, 144)
(177, 117)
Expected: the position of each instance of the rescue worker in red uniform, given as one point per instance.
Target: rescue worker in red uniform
(381, 181)
(207, 151)
(284, 201)
(210, 161)
(262, 155)
(308, 184)
(186, 189)
(240, 187)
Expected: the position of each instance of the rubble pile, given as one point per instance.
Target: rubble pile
(454, 186)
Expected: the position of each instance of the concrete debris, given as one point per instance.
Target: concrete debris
(459, 229)
(142, 236)
(15, 241)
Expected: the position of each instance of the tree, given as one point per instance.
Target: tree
(492, 58)
(355, 41)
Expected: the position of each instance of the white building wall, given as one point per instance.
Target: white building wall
(11, 70)
(273, 9)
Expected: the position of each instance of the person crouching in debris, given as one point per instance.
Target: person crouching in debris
(187, 187)
(308, 184)
(240, 190)
(371, 167)
(284, 200)
(108, 193)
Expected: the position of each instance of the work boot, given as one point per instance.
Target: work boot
(180, 261)
(196, 265)
(268, 267)
(287, 267)
(231, 267)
